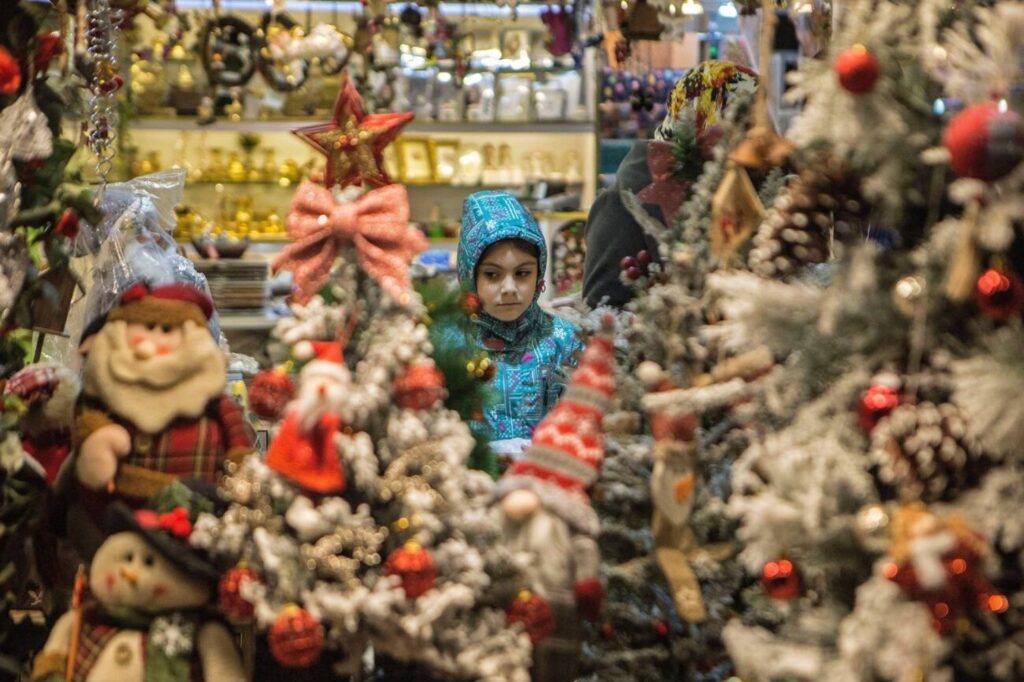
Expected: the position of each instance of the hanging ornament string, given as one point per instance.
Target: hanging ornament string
(101, 45)
(763, 148)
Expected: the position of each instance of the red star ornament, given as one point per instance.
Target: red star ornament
(354, 141)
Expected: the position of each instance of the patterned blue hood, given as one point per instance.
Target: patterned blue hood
(488, 218)
(491, 217)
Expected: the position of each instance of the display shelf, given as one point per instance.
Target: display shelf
(254, 321)
(286, 126)
(264, 184)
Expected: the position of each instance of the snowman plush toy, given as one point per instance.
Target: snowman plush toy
(146, 614)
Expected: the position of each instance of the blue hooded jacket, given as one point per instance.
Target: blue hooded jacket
(530, 352)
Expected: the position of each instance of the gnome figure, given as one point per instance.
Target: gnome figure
(305, 448)
(548, 514)
(143, 616)
(152, 407)
(49, 392)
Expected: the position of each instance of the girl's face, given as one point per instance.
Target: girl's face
(506, 281)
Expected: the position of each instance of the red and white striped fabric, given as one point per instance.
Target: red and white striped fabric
(567, 451)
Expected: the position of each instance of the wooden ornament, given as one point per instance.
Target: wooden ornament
(736, 211)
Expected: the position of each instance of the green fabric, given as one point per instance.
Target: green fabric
(170, 640)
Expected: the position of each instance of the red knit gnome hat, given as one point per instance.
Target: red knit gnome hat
(565, 457)
(325, 359)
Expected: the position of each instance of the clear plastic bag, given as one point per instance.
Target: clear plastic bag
(133, 242)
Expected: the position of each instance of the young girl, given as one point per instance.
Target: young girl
(502, 259)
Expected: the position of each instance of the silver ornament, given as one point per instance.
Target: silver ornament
(907, 293)
(14, 264)
(10, 191)
(24, 132)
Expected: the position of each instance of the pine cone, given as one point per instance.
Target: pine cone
(798, 230)
(923, 450)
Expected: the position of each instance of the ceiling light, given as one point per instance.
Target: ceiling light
(728, 10)
(692, 7)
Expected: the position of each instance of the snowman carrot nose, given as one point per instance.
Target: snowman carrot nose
(129, 574)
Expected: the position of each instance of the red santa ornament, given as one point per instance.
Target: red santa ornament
(304, 449)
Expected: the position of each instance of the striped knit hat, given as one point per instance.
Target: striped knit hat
(565, 457)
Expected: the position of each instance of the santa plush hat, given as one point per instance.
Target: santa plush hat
(565, 457)
(325, 359)
(168, 304)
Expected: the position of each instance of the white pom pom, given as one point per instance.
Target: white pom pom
(303, 350)
(649, 373)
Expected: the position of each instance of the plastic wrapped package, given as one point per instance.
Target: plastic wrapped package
(133, 242)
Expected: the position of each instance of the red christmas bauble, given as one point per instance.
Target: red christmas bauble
(10, 73)
(781, 580)
(48, 46)
(421, 387)
(535, 615)
(67, 225)
(607, 631)
(660, 627)
(857, 69)
(296, 638)
(415, 566)
(877, 402)
(471, 304)
(999, 295)
(232, 603)
(985, 142)
(270, 392)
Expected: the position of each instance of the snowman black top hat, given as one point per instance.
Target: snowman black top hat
(167, 521)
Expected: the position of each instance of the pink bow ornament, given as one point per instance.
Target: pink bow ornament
(376, 224)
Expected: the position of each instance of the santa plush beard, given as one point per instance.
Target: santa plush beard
(153, 392)
(322, 391)
(548, 539)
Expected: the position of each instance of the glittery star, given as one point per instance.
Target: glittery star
(354, 141)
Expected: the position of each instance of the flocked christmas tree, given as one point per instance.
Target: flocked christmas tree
(363, 529)
(674, 579)
(880, 501)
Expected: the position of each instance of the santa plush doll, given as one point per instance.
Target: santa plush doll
(547, 511)
(305, 448)
(152, 407)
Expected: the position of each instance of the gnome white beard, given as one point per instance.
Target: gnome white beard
(151, 393)
(548, 539)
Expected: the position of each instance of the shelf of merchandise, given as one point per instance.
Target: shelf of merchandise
(287, 125)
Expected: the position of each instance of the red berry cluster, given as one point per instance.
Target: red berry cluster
(636, 266)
